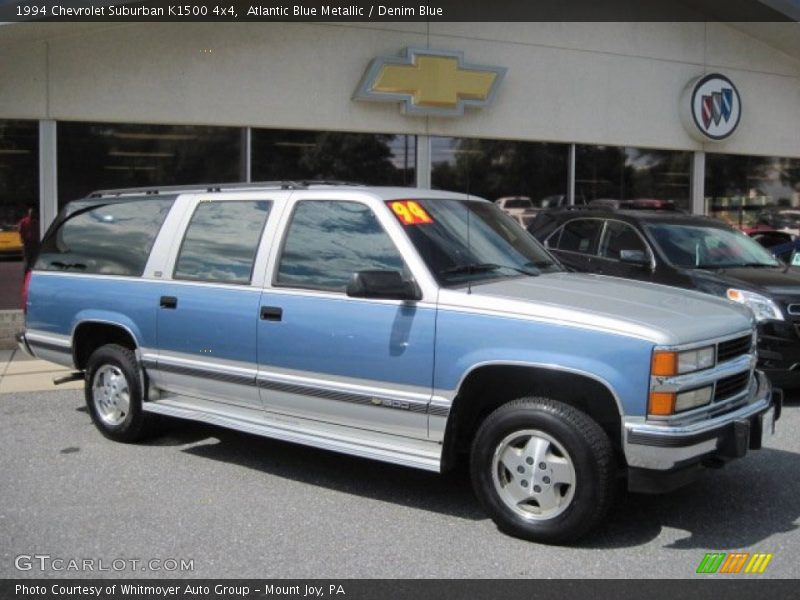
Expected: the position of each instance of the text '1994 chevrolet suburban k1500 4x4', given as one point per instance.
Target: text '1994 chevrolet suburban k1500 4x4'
(411, 326)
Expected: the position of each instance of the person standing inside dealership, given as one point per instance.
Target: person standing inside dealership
(28, 228)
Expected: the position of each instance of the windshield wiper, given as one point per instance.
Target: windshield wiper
(756, 264)
(487, 267)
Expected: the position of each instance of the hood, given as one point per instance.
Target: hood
(774, 280)
(661, 314)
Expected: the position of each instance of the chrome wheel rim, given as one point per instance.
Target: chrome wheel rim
(111, 395)
(533, 475)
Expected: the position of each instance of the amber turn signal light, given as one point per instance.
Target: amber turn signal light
(664, 363)
(662, 404)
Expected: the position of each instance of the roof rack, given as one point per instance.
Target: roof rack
(211, 188)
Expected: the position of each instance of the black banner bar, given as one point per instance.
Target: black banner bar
(399, 10)
(740, 588)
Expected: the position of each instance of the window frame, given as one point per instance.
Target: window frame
(648, 248)
(286, 228)
(68, 212)
(560, 231)
(185, 230)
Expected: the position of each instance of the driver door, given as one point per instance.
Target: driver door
(322, 355)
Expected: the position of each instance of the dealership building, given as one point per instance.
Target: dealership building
(706, 114)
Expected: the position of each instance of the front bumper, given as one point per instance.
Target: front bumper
(779, 352)
(657, 448)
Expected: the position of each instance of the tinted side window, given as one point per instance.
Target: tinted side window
(620, 236)
(580, 235)
(221, 241)
(328, 241)
(108, 239)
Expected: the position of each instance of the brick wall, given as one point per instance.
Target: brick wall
(11, 323)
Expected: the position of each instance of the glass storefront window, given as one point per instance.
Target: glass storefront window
(370, 158)
(19, 170)
(748, 190)
(626, 173)
(95, 156)
(495, 169)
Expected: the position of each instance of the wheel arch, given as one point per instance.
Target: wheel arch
(509, 381)
(92, 333)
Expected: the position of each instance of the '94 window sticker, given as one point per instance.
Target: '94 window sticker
(409, 212)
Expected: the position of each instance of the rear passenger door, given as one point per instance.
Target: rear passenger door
(207, 313)
(576, 242)
(357, 362)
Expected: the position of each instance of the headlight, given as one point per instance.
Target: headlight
(667, 364)
(664, 404)
(763, 308)
(693, 398)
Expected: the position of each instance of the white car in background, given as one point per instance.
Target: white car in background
(519, 207)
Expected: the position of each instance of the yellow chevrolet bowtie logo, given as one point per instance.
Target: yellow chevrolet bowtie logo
(430, 82)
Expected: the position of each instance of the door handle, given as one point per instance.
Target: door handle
(169, 302)
(271, 313)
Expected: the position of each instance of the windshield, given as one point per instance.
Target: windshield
(703, 247)
(467, 242)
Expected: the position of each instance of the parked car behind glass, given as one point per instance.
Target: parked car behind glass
(782, 219)
(10, 241)
(521, 208)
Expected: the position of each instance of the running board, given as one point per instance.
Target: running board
(420, 454)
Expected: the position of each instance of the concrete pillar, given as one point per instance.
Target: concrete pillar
(48, 174)
(571, 176)
(246, 160)
(423, 161)
(698, 183)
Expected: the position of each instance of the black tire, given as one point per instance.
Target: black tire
(131, 424)
(560, 429)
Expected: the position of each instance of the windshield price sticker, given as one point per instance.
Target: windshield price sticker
(409, 212)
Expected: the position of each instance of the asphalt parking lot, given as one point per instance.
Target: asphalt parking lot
(241, 506)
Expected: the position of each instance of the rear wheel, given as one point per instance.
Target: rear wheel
(543, 470)
(114, 393)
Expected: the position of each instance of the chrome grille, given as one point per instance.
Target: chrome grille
(730, 386)
(793, 309)
(734, 348)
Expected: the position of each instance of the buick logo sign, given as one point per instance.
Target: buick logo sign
(711, 108)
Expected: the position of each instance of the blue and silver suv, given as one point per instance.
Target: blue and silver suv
(411, 326)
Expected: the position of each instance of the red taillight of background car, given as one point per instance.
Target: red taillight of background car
(25, 284)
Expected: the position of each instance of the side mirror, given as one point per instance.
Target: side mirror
(388, 285)
(634, 257)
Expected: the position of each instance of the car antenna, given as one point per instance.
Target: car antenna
(469, 247)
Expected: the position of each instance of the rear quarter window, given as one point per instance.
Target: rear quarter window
(105, 239)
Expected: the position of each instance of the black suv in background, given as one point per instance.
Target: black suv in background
(688, 251)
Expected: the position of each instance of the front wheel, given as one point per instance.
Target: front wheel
(543, 470)
(114, 391)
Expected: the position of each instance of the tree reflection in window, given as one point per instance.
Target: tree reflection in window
(746, 190)
(370, 158)
(221, 241)
(495, 168)
(328, 241)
